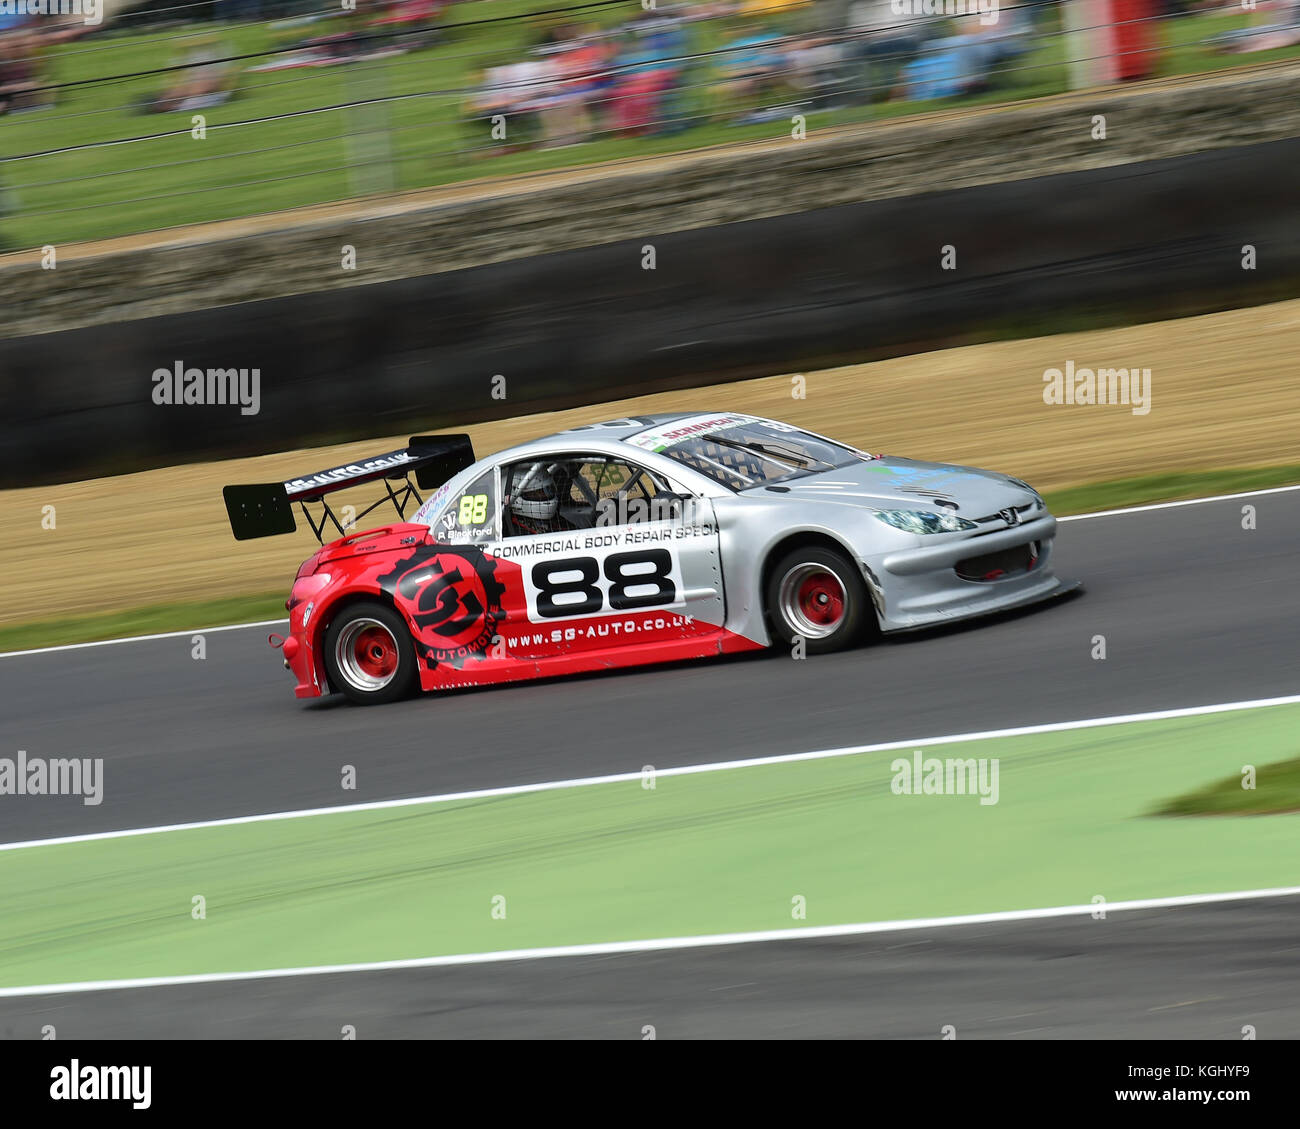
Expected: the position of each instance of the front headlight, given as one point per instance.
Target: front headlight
(921, 521)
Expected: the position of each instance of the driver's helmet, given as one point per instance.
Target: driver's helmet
(532, 492)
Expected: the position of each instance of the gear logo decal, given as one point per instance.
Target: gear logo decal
(453, 599)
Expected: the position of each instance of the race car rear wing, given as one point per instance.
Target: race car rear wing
(266, 509)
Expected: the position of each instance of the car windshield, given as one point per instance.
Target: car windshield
(756, 452)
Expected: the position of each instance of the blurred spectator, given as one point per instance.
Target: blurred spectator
(21, 67)
(572, 63)
(751, 66)
(969, 62)
(207, 80)
(411, 21)
(649, 73)
(882, 43)
(507, 103)
(1280, 28)
(815, 71)
(772, 7)
(239, 9)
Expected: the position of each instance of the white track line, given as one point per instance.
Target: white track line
(686, 770)
(142, 638)
(1178, 505)
(276, 622)
(659, 944)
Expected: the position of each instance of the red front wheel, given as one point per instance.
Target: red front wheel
(819, 596)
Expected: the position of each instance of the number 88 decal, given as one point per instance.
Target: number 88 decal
(658, 577)
(473, 509)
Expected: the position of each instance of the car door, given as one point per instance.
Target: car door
(620, 560)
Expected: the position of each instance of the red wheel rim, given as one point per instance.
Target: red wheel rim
(813, 600)
(366, 655)
(375, 653)
(821, 599)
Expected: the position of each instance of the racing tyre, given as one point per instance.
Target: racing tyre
(369, 655)
(819, 595)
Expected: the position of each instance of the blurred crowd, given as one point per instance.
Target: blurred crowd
(666, 69)
(203, 74)
(680, 65)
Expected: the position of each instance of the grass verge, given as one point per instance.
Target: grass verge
(149, 620)
(713, 852)
(1275, 789)
(1174, 487)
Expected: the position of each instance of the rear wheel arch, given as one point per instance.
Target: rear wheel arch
(368, 652)
(337, 607)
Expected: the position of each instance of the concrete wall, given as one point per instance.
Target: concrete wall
(1131, 242)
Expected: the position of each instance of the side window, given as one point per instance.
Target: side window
(470, 515)
(630, 495)
(567, 492)
(540, 497)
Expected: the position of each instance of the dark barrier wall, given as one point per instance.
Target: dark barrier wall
(1131, 242)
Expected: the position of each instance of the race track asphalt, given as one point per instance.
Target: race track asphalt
(1192, 972)
(1194, 610)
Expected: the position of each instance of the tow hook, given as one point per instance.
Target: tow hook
(289, 647)
(278, 642)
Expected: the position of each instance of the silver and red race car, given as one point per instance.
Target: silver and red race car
(641, 540)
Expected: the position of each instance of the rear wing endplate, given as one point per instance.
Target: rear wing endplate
(266, 509)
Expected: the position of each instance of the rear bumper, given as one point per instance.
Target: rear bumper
(300, 661)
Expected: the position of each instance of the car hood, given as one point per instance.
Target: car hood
(906, 484)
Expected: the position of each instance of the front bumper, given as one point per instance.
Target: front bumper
(920, 587)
